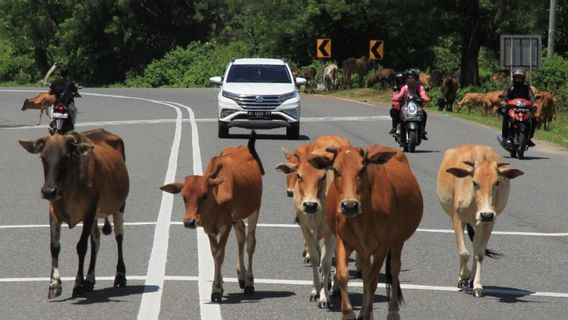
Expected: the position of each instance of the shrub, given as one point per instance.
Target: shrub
(553, 77)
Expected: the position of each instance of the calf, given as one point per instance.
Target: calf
(309, 74)
(491, 101)
(546, 110)
(470, 99)
(449, 91)
(473, 189)
(383, 76)
(229, 192)
(330, 77)
(85, 179)
(373, 205)
(309, 203)
(43, 101)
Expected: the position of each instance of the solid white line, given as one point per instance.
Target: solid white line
(358, 284)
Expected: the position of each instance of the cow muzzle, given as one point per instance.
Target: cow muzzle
(189, 223)
(49, 193)
(350, 208)
(310, 207)
(487, 216)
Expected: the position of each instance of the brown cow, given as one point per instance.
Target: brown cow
(449, 91)
(309, 73)
(381, 76)
(360, 66)
(424, 79)
(309, 200)
(374, 205)
(471, 99)
(42, 101)
(293, 159)
(330, 77)
(546, 110)
(228, 192)
(491, 101)
(85, 179)
(473, 189)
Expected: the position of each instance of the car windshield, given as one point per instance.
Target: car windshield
(259, 73)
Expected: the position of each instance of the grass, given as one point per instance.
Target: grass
(557, 135)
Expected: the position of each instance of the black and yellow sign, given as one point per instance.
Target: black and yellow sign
(323, 48)
(376, 49)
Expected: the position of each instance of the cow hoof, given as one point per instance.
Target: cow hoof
(216, 297)
(88, 286)
(323, 305)
(78, 291)
(307, 259)
(249, 290)
(463, 283)
(314, 297)
(478, 293)
(242, 284)
(54, 292)
(393, 316)
(119, 281)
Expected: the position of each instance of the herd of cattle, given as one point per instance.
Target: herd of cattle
(346, 198)
(546, 111)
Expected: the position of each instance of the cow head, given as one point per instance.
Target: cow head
(349, 166)
(202, 194)
(57, 154)
(489, 182)
(293, 160)
(309, 183)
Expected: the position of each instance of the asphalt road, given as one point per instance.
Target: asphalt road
(168, 266)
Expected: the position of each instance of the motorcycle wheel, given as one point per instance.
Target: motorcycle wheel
(412, 138)
(522, 145)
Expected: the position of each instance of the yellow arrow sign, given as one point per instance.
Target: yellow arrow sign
(323, 48)
(376, 49)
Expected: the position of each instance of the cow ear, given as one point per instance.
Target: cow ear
(320, 161)
(172, 187)
(286, 168)
(379, 157)
(33, 146)
(510, 173)
(460, 172)
(287, 154)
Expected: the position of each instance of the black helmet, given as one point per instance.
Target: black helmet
(411, 72)
(399, 77)
(519, 75)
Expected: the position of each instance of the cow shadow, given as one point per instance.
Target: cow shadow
(356, 301)
(529, 158)
(260, 136)
(505, 294)
(110, 294)
(423, 151)
(241, 297)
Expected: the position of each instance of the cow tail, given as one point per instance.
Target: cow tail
(488, 252)
(388, 281)
(107, 228)
(252, 150)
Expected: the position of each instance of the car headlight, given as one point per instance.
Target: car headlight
(227, 112)
(412, 108)
(287, 96)
(294, 113)
(230, 95)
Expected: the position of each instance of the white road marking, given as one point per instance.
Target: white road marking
(278, 225)
(357, 283)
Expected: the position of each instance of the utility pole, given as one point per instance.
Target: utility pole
(551, 27)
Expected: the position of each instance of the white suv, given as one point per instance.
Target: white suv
(259, 94)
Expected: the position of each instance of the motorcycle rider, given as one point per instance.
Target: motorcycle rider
(518, 89)
(65, 91)
(413, 87)
(397, 84)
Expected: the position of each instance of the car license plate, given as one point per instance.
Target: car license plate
(58, 115)
(259, 114)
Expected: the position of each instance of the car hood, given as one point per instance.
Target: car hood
(247, 88)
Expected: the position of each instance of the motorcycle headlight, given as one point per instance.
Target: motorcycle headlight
(519, 103)
(412, 108)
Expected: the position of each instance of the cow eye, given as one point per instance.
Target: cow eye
(361, 173)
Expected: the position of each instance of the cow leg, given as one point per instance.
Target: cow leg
(118, 221)
(327, 247)
(240, 235)
(314, 260)
(464, 274)
(365, 262)
(79, 288)
(342, 253)
(40, 112)
(218, 252)
(252, 220)
(55, 281)
(395, 294)
(480, 240)
(89, 283)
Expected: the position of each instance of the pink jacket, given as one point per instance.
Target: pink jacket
(402, 93)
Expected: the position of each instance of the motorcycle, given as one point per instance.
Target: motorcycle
(409, 131)
(520, 112)
(60, 120)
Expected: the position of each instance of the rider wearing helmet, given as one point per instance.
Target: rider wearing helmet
(413, 87)
(65, 91)
(518, 89)
(397, 84)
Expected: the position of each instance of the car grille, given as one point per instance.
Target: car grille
(258, 102)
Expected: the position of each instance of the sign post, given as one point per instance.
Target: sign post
(520, 51)
(323, 48)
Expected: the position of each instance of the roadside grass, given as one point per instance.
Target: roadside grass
(558, 133)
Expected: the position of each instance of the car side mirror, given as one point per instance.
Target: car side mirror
(216, 80)
(300, 81)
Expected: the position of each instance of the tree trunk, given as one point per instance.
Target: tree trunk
(469, 75)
